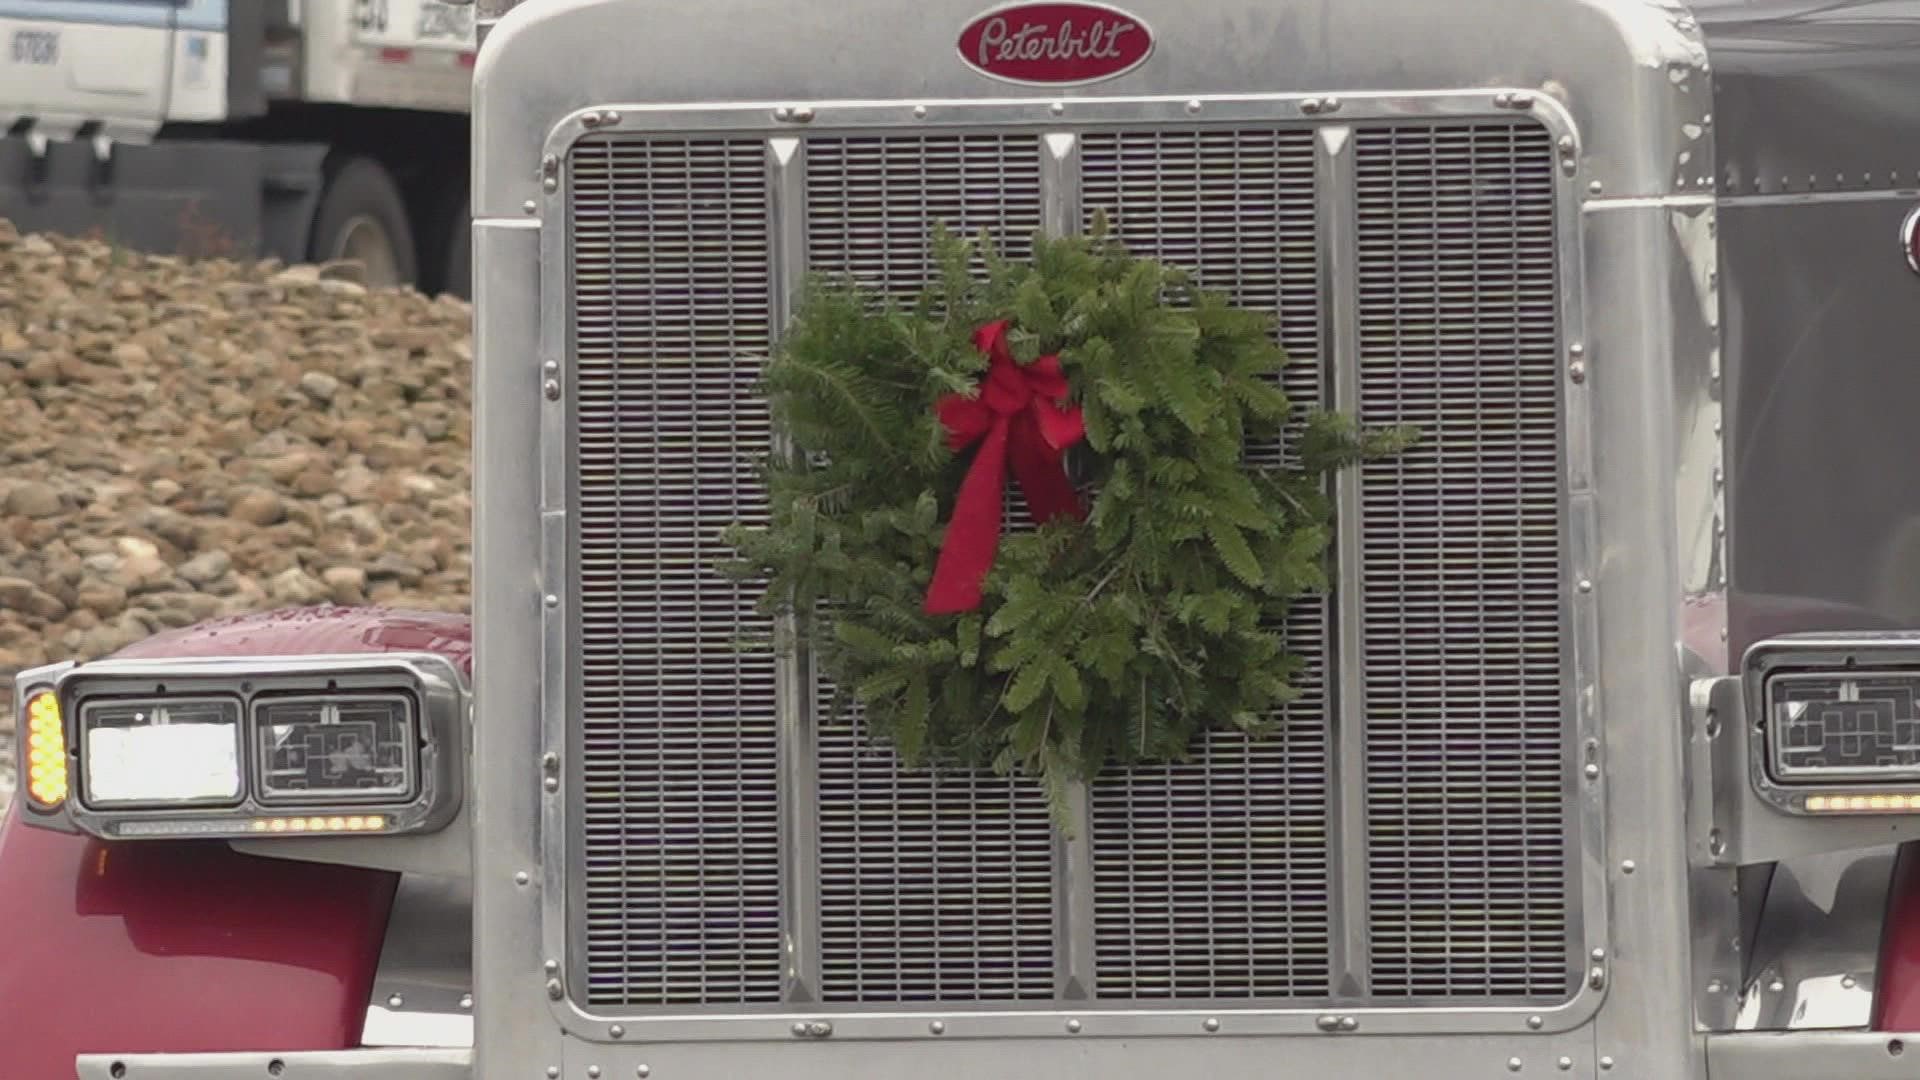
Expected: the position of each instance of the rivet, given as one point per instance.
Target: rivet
(1349, 1023)
(552, 389)
(1594, 187)
(1057, 108)
(1523, 101)
(783, 113)
(553, 1070)
(1327, 1023)
(1503, 100)
(552, 600)
(550, 184)
(643, 1071)
(1193, 106)
(1606, 1063)
(1777, 986)
(799, 1029)
(919, 112)
(1577, 349)
(617, 1031)
(552, 783)
(1592, 771)
(1073, 1027)
(549, 761)
(1566, 144)
(1310, 106)
(609, 117)
(1599, 954)
(1586, 585)
(593, 1072)
(819, 1029)
(1536, 1022)
(554, 990)
(1597, 977)
(550, 164)
(1716, 843)
(1565, 1063)
(591, 120)
(520, 878)
(529, 207)
(1513, 1064)
(938, 1027)
(1848, 982)
(803, 115)
(551, 367)
(1211, 1023)
(551, 967)
(394, 1001)
(1577, 371)
(466, 1001)
(1332, 104)
(1715, 986)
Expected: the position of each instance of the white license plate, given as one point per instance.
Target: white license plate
(163, 763)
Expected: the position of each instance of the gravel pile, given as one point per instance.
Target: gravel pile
(185, 439)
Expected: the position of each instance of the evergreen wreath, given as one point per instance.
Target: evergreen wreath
(1146, 604)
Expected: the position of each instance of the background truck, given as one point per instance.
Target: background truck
(301, 129)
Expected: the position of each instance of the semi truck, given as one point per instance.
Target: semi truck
(1606, 757)
(304, 130)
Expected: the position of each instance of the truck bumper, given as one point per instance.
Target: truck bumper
(323, 1065)
(1813, 1055)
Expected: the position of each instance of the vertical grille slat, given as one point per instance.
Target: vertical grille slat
(1211, 877)
(933, 887)
(679, 811)
(1466, 736)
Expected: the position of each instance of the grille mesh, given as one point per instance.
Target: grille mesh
(1466, 721)
(1211, 875)
(932, 887)
(677, 733)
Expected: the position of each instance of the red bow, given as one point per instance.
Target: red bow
(1022, 415)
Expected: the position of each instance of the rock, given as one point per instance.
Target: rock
(206, 569)
(348, 584)
(319, 386)
(33, 499)
(23, 596)
(296, 586)
(102, 598)
(258, 507)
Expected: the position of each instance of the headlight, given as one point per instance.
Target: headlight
(1837, 726)
(231, 748)
(161, 752)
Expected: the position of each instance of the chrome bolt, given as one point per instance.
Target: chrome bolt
(591, 119)
(799, 1029)
(1848, 982)
(552, 389)
(554, 989)
(1565, 1063)
(803, 115)
(819, 1029)
(1311, 106)
(1073, 1027)
(1777, 986)
(609, 117)
(550, 761)
(466, 1001)
(593, 1072)
(919, 112)
(1715, 986)
(1606, 1063)
(1332, 104)
(1592, 771)
(643, 1071)
(1523, 101)
(617, 1031)
(1627, 866)
(1566, 144)
(1193, 106)
(1577, 371)
(1536, 1022)
(552, 600)
(1597, 977)
(1593, 187)
(1598, 954)
(549, 164)
(783, 114)
(1348, 1023)
(529, 207)
(551, 367)
(520, 878)
(1211, 1024)
(1504, 100)
(1586, 585)
(550, 184)
(553, 1070)
(551, 967)
(1057, 108)
(1577, 349)
(1328, 1023)
(1513, 1064)
(938, 1027)
(394, 1001)
(552, 783)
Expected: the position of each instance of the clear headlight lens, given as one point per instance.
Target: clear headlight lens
(175, 751)
(336, 749)
(1836, 727)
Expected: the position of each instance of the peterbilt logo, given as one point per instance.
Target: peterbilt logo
(1055, 43)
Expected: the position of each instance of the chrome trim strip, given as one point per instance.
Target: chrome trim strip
(1336, 197)
(1148, 1020)
(389, 1064)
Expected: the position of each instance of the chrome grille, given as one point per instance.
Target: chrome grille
(1211, 877)
(1221, 877)
(680, 902)
(1467, 757)
(933, 887)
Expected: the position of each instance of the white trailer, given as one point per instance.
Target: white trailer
(302, 129)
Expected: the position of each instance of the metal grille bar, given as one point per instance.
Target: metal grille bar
(933, 887)
(1467, 719)
(678, 812)
(1211, 877)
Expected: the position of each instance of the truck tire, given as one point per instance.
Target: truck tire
(363, 217)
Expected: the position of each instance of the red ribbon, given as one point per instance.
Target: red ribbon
(1020, 417)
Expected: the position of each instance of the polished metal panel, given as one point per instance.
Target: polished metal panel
(1816, 951)
(1245, 822)
(1856, 1055)
(1467, 710)
(423, 988)
(678, 799)
(383, 1064)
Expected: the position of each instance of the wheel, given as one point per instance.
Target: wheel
(363, 217)
(457, 267)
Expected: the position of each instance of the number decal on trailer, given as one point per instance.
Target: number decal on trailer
(440, 21)
(36, 46)
(372, 15)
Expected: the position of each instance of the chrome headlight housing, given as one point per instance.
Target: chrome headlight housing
(325, 745)
(1836, 723)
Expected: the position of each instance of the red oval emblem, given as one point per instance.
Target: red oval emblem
(1054, 43)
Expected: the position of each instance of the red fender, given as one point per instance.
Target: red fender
(1896, 999)
(182, 946)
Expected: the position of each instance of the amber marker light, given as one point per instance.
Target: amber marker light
(46, 745)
